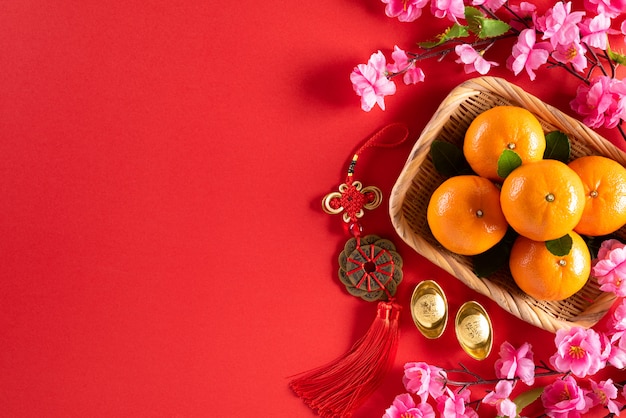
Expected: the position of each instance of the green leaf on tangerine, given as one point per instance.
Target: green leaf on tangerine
(509, 160)
(495, 258)
(448, 159)
(526, 398)
(594, 243)
(492, 260)
(558, 146)
(560, 246)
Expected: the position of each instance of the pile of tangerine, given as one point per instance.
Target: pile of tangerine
(542, 200)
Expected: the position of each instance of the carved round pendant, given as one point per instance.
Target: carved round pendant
(370, 268)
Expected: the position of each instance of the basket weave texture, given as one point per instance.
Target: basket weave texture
(418, 179)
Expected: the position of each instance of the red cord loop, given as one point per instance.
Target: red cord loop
(388, 137)
(352, 197)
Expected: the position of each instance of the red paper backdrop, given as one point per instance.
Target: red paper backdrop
(163, 252)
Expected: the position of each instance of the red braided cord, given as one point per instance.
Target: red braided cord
(392, 131)
(388, 137)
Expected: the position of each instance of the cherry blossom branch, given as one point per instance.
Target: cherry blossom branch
(516, 17)
(442, 50)
(573, 40)
(580, 354)
(479, 380)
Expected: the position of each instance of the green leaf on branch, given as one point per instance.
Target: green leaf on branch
(483, 26)
(472, 13)
(453, 32)
(448, 159)
(558, 147)
(490, 28)
(526, 398)
(456, 31)
(473, 16)
(560, 246)
(616, 57)
(508, 161)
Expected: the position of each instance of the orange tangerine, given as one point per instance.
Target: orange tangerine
(604, 181)
(543, 200)
(502, 128)
(464, 215)
(545, 276)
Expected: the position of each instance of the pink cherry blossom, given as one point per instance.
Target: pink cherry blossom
(500, 399)
(610, 267)
(452, 9)
(492, 5)
(453, 404)
(564, 398)
(579, 350)
(593, 101)
(525, 10)
(404, 407)
(601, 103)
(560, 24)
(527, 54)
(404, 10)
(594, 32)
(423, 379)
(573, 53)
(608, 246)
(371, 83)
(617, 110)
(604, 393)
(611, 8)
(402, 64)
(614, 337)
(472, 59)
(514, 363)
(617, 351)
(617, 323)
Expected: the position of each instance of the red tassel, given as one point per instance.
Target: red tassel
(338, 388)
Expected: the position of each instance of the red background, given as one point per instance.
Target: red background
(163, 252)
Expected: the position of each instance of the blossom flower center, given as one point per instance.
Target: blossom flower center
(407, 415)
(571, 53)
(576, 352)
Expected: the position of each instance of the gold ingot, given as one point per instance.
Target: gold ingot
(473, 330)
(429, 309)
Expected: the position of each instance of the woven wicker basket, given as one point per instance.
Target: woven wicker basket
(418, 179)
